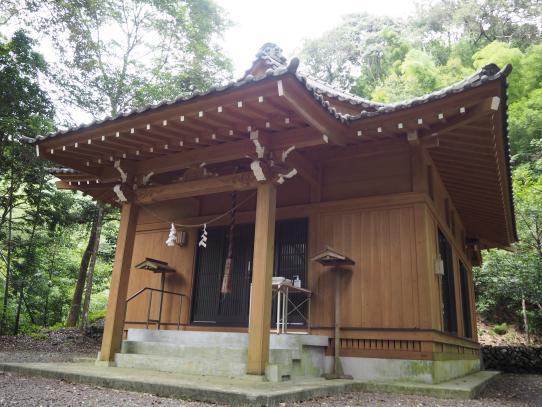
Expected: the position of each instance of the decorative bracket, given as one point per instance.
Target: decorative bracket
(146, 178)
(120, 194)
(123, 174)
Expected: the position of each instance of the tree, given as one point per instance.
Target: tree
(75, 308)
(361, 42)
(25, 109)
(118, 55)
(479, 22)
(418, 75)
(508, 280)
(115, 56)
(91, 267)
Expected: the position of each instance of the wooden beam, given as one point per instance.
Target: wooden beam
(63, 184)
(168, 112)
(304, 168)
(260, 297)
(430, 142)
(116, 306)
(220, 153)
(413, 138)
(311, 111)
(468, 99)
(71, 163)
(235, 182)
(209, 155)
(482, 109)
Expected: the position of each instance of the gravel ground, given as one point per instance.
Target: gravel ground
(507, 390)
(60, 346)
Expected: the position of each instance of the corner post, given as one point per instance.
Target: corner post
(116, 305)
(262, 273)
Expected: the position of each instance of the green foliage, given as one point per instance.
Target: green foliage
(115, 56)
(362, 41)
(107, 57)
(96, 315)
(501, 329)
(502, 54)
(417, 75)
(507, 277)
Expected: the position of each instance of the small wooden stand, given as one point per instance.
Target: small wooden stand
(156, 266)
(331, 258)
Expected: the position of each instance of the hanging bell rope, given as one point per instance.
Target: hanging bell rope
(227, 277)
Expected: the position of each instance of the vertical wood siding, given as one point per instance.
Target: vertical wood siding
(382, 291)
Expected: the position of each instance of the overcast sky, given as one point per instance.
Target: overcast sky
(287, 22)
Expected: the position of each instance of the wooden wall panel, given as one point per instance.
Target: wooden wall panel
(151, 244)
(356, 177)
(168, 210)
(382, 289)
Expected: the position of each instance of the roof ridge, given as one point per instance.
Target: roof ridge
(331, 91)
(485, 74)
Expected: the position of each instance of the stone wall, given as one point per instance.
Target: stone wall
(513, 359)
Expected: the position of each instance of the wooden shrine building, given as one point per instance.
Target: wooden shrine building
(260, 175)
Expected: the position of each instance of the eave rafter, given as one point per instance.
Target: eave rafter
(304, 105)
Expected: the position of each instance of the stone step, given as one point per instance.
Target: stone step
(199, 338)
(226, 339)
(196, 366)
(184, 351)
(220, 353)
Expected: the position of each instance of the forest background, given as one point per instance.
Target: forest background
(57, 247)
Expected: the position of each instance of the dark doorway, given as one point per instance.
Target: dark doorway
(291, 253)
(209, 305)
(465, 300)
(449, 314)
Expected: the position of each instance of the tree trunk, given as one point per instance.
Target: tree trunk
(75, 308)
(90, 274)
(30, 260)
(525, 319)
(19, 305)
(3, 327)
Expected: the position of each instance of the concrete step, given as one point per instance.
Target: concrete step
(226, 339)
(198, 338)
(284, 356)
(185, 351)
(220, 353)
(196, 366)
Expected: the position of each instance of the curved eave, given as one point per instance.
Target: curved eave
(473, 153)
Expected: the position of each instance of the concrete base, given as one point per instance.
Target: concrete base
(237, 391)
(221, 353)
(412, 371)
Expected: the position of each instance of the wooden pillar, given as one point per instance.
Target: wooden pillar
(116, 306)
(262, 273)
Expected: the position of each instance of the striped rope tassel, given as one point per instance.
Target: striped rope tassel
(227, 278)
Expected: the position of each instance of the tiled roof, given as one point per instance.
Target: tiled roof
(271, 56)
(488, 73)
(62, 170)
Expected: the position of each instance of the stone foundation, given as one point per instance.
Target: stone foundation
(413, 371)
(221, 353)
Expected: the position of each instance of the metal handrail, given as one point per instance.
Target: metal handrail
(149, 306)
